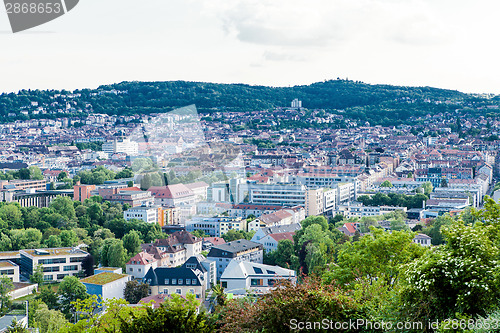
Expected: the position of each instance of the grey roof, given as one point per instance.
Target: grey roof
(234, 246)
(281, 228)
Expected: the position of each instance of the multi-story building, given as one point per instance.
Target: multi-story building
(149, 214)
(56, 262)
(239, 250)
(242, 277)
(120, 145)
(179, 246)
(82, 192)
(140, 264)
(216, 226)
(133, 198)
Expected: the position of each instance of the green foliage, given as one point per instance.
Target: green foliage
(95, 146)
(461, 276)
(37, 276)
(132, 242)
(48, 321)
(135, 291)
(393, 199)
(376, 257)
(16, 327)
(386, 184)
(96, 176)
(108, 322)
(233, 235)
(274, 312)
(6, 286)
(178, 314)
(284, 256)
(48, 296)
(70, 290)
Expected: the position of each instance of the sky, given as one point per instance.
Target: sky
(450, 44)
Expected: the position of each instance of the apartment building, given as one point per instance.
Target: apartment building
(216, 226)
(56, 262)
(149, 214)
(239, 250)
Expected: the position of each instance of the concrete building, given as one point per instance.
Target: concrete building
(239, 250)
(82, 192)
(178, 247)
(120, 145)
(241, 277)
(216, 226)
(106, 285)
(56, 262)
(270, 242)
(9, 269)
(140, 264)
(149, 214)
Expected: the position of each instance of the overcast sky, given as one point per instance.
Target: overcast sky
(442, 43)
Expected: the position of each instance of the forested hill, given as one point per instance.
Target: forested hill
(357, 99)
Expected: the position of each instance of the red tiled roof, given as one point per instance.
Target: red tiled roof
(214, 240)
(142, 258)
(283, 236)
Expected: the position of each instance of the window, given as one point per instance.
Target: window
(224, 284)
(178, 291)
(256, 282)
(48, 278)
(179, 281)
(188, 281)
(165, 291)
(130, 269)
(193, 282)
(51, 269)
(191, 291)
(271, 282)
(167, 281)
(71, 268)
(174, 281)
(139, 269)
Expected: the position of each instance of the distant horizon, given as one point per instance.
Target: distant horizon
(251, 84)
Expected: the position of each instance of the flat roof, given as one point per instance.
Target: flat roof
(9, 254)
(61, 251)
(7, 264)
(103, 278)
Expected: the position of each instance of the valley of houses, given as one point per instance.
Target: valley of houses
(271, 181)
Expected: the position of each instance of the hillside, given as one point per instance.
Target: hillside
(375, 103)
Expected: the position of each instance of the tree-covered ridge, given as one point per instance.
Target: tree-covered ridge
(355, 98)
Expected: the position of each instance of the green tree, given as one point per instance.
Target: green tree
(135, 291)
(68, 238)
(64, 206)
(62, 175)
(16, 327)
(48, 296)
(24, 173)
(35, 173)
(132, 242)
(386, 183)
(49, 321)
(462, 276)
(375, 257)
(116, 254)
(179, 314)
(6, 286)
(11, 214)
(37, 276)
(70, 290)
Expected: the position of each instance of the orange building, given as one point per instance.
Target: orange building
(82, 192)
